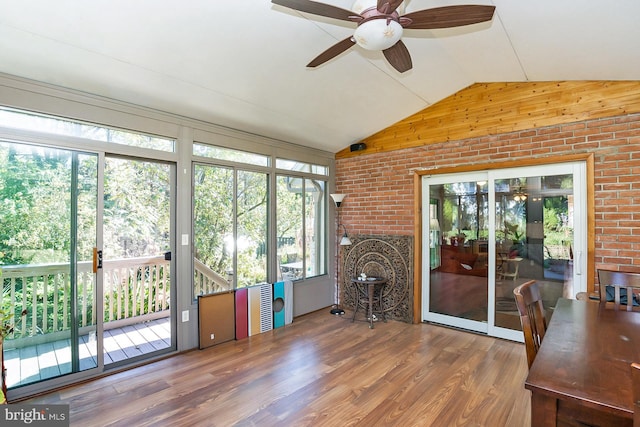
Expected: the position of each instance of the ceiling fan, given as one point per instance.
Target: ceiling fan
(380, 25)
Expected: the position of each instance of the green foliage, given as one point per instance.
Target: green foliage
(556, 227)
(449, 208)
(252, 227)
(514, 233)
(289, 225)
(136, 208)
(33, 206)
(36, 205)
(7, 313)
(213, 217)
(214, 221)
(43, 190)
(6, 328)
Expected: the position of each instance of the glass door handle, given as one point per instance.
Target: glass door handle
(97, 260)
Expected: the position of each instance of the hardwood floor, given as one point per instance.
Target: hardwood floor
(321, 370)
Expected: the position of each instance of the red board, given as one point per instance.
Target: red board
(242, 315)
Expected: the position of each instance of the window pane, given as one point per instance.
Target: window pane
(315, 205)
(293, 165)
(48, 202)
(221, 153)
(213, 229)
(42, 123)
(215, 245)
(289, 228)
(459, 256)
(252, 228)
(301, 227)
(534, 233)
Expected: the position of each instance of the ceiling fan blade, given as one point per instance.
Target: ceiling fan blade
(388, 6)
(398, 56)
(449, 16)
(332, 52)
(316, 8)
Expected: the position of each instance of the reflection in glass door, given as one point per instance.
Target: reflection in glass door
(496, 230)
(48, 220)
(534, 229)
(458, 240)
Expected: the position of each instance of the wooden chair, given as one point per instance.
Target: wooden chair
(619, 288)
(532, 318)
(635, 379)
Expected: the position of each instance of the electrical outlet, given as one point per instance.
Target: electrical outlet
(185, 316)
(213, 337)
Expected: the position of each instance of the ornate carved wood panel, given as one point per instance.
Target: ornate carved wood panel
(390, 257)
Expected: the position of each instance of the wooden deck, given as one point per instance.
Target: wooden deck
(48, 360)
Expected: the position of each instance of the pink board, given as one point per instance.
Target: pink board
(242, 315)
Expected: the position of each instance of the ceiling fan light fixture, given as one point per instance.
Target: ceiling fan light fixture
(381, 23)
(378, 34)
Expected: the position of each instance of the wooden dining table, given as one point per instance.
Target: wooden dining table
(582, 371)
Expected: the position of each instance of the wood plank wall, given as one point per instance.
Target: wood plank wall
(493, 108)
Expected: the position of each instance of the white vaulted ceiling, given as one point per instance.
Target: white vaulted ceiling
(241, 63)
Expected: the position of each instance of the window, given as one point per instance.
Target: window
(301, 221)
(221, 153)
(293, 165)
(251, 220)
(231, 212)
(230, 228)
(248, 220)
(55, 125)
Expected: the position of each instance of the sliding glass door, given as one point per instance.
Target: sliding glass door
(488, 232)
(137, 224)
(48, 229)
(458, 237)
(85, 256)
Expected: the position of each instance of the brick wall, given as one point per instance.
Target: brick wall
(380, 186)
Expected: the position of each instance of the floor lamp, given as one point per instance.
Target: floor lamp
(344, 241)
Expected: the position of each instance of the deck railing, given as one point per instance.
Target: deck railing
(132, 287)
(206, 281)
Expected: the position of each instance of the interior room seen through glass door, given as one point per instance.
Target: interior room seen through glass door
(488, 232)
